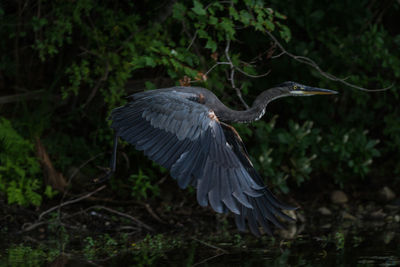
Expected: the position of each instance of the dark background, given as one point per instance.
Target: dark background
(64, 65)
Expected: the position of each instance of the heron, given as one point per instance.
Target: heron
(186, 130)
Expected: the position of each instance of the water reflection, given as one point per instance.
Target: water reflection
(348, 246)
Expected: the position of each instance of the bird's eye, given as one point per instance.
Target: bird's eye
(295, 87)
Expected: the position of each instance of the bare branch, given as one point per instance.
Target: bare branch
(71, 201)
(216, 64)
(102, 79)
(219, 2)
(209, 245)
(232, 75)
(19, 97)
(280, 54)
(152, 213)
(138, 222)
(75, 172)
(192, 41)
(310, 62)
(208, 259)
(251, 75)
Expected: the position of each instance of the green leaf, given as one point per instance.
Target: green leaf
(245, 17)
(285, 33)
(233, 13)
(270, 25)
(198, 8)
(149, 85)
(178, 11)
(279, 15)
(211, 45)
(213, 20)
(227, 25)
(149, 61)
(49, 192)
(202, 34)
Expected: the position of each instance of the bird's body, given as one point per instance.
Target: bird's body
(185, 130)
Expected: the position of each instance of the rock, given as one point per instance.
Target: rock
(301, 217)
(386, 194)
(378, 215)
(339, 197)
(348, 216)
(326, 226)
(291, 213)
(388, 237)
(325, 211)
(289, 233)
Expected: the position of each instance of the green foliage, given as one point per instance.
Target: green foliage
(153, 247)
(83, 54)
(339, 240)
(212, 25)
(352, 153)
(287, 153)
(25, 255)
(89, 248)
(19, 167)
(49, 192)
(143, 186)
(291, 152)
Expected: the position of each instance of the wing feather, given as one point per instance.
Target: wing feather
(265, 205)
(182, 135)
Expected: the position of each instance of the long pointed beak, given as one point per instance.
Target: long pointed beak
(308, 90)
(319, 91)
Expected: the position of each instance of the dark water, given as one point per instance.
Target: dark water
(373, 245)
(356, 249)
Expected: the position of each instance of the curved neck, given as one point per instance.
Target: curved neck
(256, 111)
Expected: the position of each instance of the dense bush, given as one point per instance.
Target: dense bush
(75, 60)
(19, 169)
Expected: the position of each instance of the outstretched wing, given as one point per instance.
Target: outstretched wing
(267, 206)
(185, 137)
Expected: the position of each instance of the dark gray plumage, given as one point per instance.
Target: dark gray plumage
(184, 130)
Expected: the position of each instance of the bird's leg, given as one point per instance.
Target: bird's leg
(113, 163)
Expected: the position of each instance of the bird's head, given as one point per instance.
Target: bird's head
(297, 89)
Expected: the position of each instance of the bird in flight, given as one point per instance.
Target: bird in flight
(186, 130)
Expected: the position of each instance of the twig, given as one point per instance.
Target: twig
(75, 172)
(71, 201)
(209, 245)
(101, 79)
(138, 222)
(71, 177)
(153, 214)
(18, 97)
(232, 75)
(251, 75)
(216, 64)
(128, 227)
(233, 68)
(310, 62)
(192, 41)
(69, 182)
(30, 226)
(208, 259)
(219, 2)
(98, 84)
(162, 180)
(280, 54)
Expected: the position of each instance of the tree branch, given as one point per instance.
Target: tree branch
(310, 62)
(69, 202)
(232, 75)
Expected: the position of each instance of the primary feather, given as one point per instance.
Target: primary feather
(178, 130)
